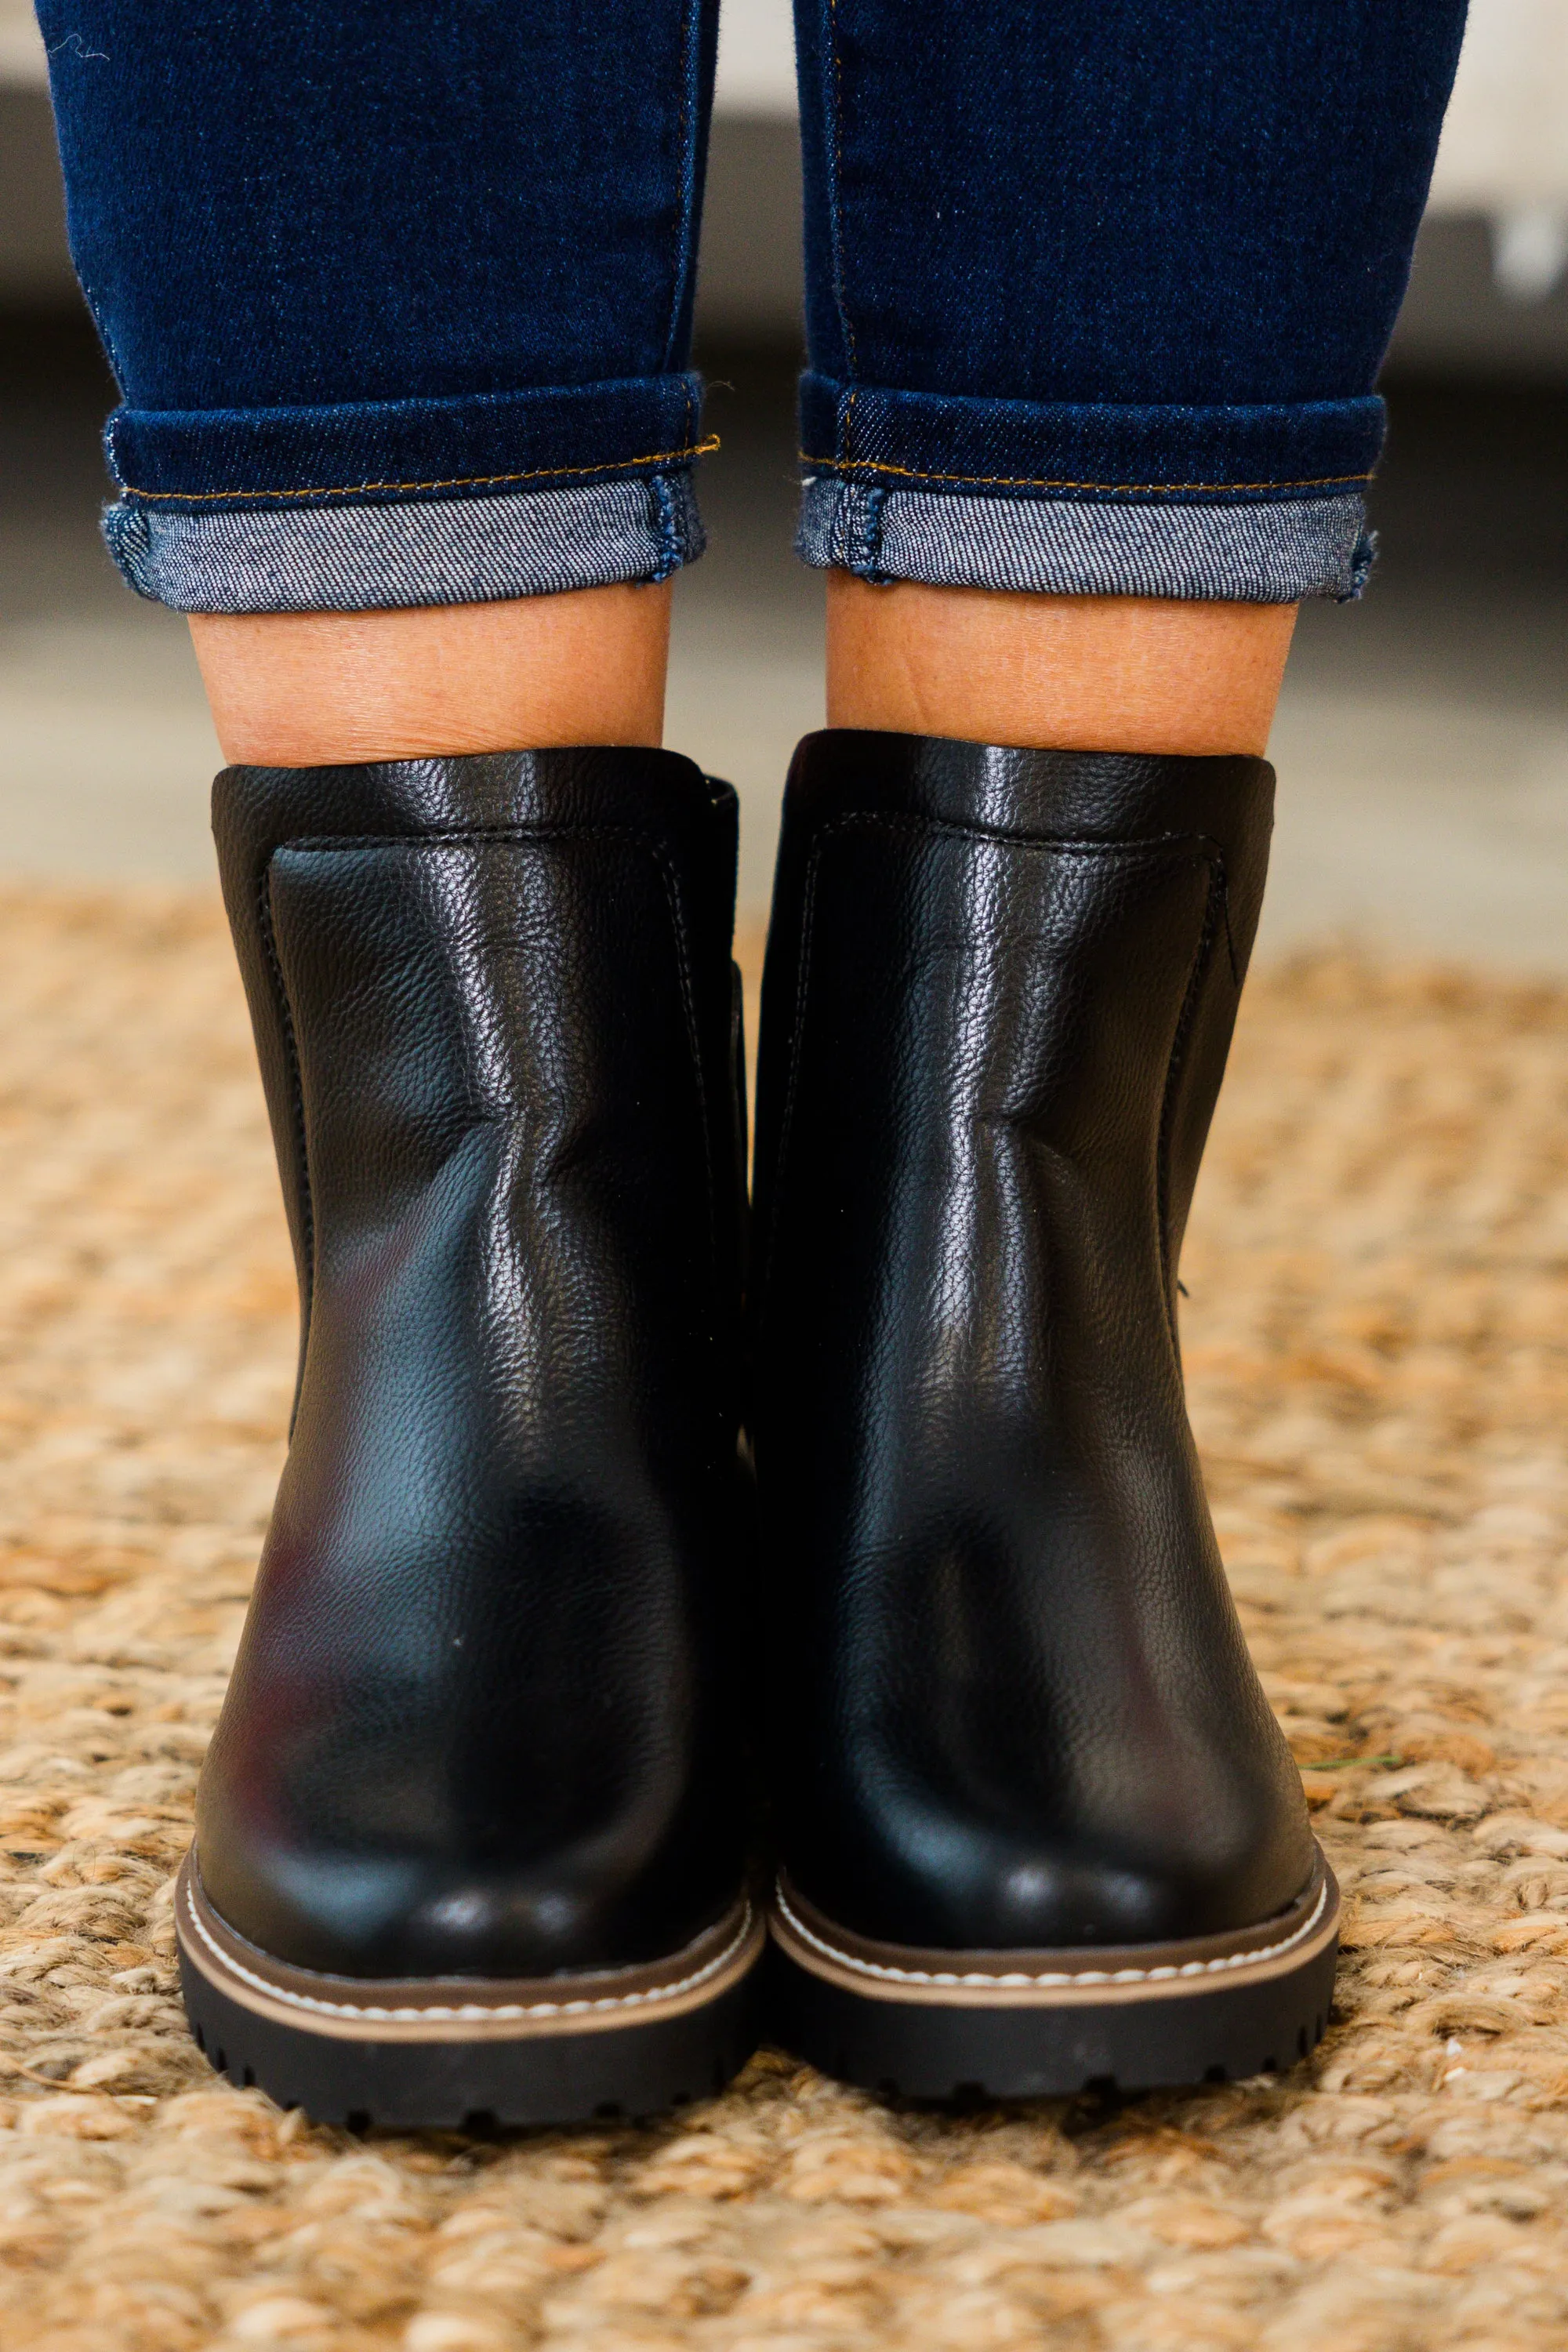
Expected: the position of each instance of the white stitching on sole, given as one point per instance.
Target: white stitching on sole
(1053, 1977)
(475, 2012)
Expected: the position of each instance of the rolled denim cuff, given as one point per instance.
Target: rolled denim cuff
(1261, 552)
(1088, 449)
(380, 503)
(356, 558)
(1258, 504)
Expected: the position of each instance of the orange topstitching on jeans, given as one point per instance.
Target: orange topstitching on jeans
(1040, 482)
(702, 449)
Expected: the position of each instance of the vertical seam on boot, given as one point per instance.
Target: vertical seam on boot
(693, 1037)
(809, 917)
(296, 1107)
(1218, 896)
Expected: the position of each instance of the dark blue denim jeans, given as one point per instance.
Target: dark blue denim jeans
(398, 292)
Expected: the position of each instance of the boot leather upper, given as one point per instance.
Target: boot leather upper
(1011, 1705)
(481, 1720)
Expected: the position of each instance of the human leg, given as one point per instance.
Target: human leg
(1076, 673)
(1109, 327)
(374, 355)
(1097, 297)
(300, 690)
(399, 300)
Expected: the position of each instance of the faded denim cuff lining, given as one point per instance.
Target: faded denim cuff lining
(439, 552)
(1273, 551)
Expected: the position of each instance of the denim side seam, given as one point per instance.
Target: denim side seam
(668, 520)
(835, 80)
(1262, 551)
(687, 165)
(845, 534)
(863, 537)
(699, 43)
(372, 558)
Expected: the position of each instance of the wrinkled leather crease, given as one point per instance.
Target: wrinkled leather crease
(482, 1719)
(1013, 1707)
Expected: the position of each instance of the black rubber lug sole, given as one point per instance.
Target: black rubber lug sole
(626, 2072)
(928, 2050)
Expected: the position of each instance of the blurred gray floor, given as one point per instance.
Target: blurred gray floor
(1422, 741)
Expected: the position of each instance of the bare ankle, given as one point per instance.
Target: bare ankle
(1071, 673)
(310, 689)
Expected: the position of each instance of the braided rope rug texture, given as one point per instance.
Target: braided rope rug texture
(1376, 1350)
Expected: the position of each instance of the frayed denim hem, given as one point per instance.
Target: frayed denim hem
(1273, 551)
(356, 558)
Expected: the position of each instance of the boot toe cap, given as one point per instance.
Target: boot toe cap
(963, 1886)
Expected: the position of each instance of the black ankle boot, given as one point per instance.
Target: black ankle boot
(470, 1836)
(1037, 1824)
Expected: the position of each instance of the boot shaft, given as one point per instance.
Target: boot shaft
(426, 945)
(1017, 873)
(1000, 993)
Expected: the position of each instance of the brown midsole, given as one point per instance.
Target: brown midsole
(1059, 1980)
(459, 2010)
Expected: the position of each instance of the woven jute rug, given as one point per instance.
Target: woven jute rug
(1376, 1340)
